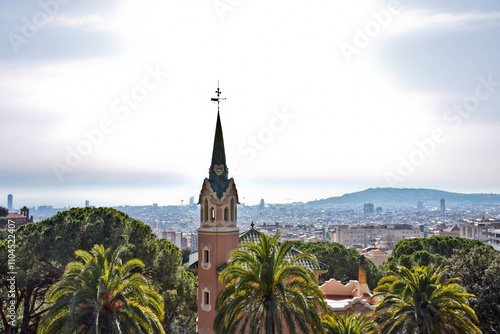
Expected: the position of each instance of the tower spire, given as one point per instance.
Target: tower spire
(218, 170)
(218, 153)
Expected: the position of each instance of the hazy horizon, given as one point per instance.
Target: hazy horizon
(144, 197)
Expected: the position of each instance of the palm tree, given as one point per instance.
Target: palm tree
(101, 296)
(268, 290)
(347, 324)
(417, 301)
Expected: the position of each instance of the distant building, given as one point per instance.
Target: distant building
(368, 208)
(87, 203)
(20, 219)
(191, 201)
(375, 254)
(369, 234)
(378, 209)
(443, 206)
(494, 238)
(194, 243)
(10, 200)
(175, 237)
(452, 231)
(262, 204)
(420, 205)
(478, 230)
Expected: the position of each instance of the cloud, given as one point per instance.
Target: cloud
(53, 31)
(90, 21)
(419, 20)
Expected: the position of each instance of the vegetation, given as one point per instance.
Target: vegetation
(185, 254)
(3, 221)
(427, 251)
(3, 211)
(267, 289)
(418, 300)
(103, 296)
(476, 264)
(479, 270)
(343, 262)
(347, 324)
(44, 249)
(178, 287)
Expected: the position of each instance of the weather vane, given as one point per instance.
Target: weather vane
(218, 98)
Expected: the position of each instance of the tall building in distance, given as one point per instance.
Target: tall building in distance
(443, 205)
(10, 200)
(368, 208)
(87, 203)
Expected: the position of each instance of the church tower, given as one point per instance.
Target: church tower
(218, 233)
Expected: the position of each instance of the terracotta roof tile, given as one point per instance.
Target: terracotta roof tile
(14, 215)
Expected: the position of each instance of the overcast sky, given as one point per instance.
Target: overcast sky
(110, 100)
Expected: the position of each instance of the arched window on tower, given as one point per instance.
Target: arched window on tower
(212, 214)
(226, 214)
(205, 302)
(206, 298)
(233, 212)
(205, 209)
(206, 256)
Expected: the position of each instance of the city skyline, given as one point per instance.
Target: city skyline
(111, 102)
(391, 198)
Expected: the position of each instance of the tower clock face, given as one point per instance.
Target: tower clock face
(218, 169)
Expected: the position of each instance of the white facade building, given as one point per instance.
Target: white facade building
(367, 234)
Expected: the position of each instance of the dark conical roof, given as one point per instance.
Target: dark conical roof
(218, 154)
(218, 181)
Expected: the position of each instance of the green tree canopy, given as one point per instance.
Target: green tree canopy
(343, 262)
(267, 289)
(102, 295)
(45, 248)
(427, 251)
(3, 211)
(185, 254)
(479, 270)
(347, 324)
(419, 300)
(178, 287)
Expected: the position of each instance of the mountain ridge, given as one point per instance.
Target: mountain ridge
(407, 195)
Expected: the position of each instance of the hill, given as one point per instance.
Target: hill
(407, 195)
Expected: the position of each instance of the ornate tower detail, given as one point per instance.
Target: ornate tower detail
(218, 233)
